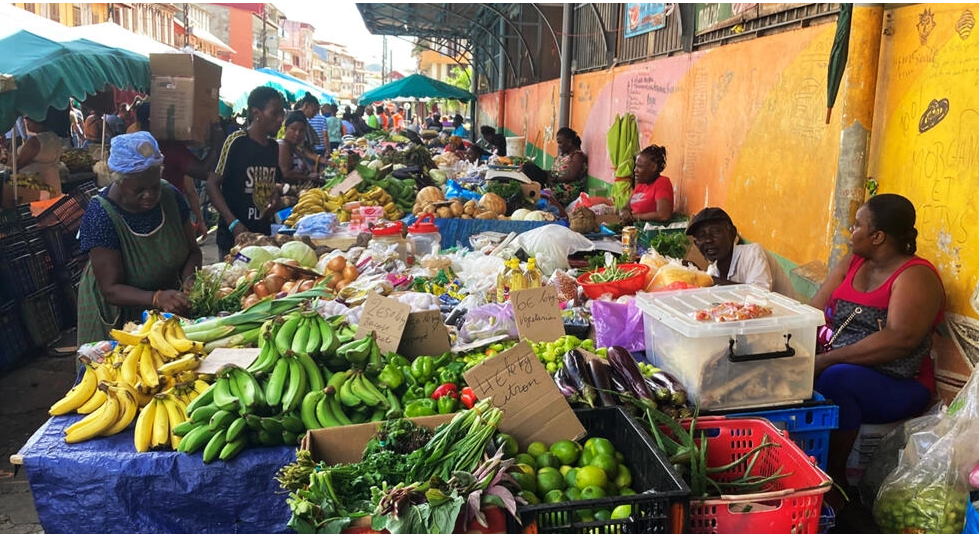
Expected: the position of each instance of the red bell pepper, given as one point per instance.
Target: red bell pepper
(449, 389)
(468, 397)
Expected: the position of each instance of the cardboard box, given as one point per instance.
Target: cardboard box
(345, 444)
(24, 195)
(184, 97)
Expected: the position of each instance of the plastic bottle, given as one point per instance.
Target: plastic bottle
(517, 279)
(502, 282)
(533, 275)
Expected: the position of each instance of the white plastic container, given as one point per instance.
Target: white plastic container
(738, 364)
(424, 237)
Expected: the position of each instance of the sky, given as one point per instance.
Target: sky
(340, 22)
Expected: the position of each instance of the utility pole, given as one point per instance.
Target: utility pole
(265, 45)
(384, 57)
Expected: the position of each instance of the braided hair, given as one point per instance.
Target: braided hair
(894, 215)
(657, 155)
(570, 134)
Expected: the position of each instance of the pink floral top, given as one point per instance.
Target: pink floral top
(566, 192)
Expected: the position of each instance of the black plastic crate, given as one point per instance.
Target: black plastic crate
(42, 315)
(68, 303)
(84, 192)
(40, 265)
(67, 211)
(16, 280)
(61, 245)
(660, 507)
(13, 339)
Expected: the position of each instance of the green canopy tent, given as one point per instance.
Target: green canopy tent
(320, 94)
(416, 86)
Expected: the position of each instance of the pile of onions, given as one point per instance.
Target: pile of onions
(282, 279)
(340, 273)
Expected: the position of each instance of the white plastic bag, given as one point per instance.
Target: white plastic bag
(551, 244)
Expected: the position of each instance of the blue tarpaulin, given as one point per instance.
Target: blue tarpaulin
(457, 231)
(104, 485)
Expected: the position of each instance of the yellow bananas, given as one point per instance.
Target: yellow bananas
(114, 415)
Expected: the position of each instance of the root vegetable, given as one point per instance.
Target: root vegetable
(274, 283)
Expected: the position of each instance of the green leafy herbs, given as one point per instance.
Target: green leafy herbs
(669, 244)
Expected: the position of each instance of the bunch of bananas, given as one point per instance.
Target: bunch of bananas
(31, 181)
(158, 423)
(319, 201)
(110, 418)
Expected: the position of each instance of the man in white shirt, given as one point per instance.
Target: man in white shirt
(716, 238)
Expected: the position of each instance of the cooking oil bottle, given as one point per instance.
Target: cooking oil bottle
(509, 279)
(517, 279)
(532, 274)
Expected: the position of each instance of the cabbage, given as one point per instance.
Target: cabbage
(536, 216)
(273, 250)
(519, 214)
(299, 251)
(256, 256)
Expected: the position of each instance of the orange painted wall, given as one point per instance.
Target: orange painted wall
(743, 127)
(240, 36)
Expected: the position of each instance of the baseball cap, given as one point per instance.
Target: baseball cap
(707, 215)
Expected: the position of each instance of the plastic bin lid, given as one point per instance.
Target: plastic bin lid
(676, 309)
(391, 228)
(425, 225)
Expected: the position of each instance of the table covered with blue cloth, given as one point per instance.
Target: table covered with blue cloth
(456, 232)
(104, 485)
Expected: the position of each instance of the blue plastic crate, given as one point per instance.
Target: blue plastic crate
(808, 424)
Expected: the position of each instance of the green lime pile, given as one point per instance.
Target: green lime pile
(567, 471)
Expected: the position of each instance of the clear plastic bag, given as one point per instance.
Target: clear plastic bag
(551, 244)
(488, 321)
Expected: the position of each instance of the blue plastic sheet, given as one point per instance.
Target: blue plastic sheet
(104, 485)
(456, 232)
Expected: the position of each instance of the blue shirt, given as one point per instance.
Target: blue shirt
(461, 132)
(97, 229)
(318, 122)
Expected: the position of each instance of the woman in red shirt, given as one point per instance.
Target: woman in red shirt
(652, 198)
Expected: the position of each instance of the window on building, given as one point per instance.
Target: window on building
(76, 15)
(30, 7)
(54, 12)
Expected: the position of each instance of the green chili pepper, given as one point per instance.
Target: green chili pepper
(420, 408)
(391, 376)
(443, 360)
(447, 404)
(421, 368)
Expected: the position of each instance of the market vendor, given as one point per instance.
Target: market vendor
(491, 141)
(717, 239)
(141, 243)
(566, 180)
(652, 196)
(243, 186)
(297, 165)
(474, 154)
(41, 154)
(883, 303)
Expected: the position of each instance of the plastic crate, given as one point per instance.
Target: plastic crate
(68, 296)
(42, 316)
(790, 504)
(13, 340)
(808, 424)
(827, 519)
(67, 212)
(40, 263)
(661, 505)
(61, 245)
(84, 192)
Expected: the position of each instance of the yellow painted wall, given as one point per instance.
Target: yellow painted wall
(925, 143)
(743, 126)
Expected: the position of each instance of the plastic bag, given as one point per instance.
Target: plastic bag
(928, 490)
(619, 324)
(477, 272)
(551, 244)
(454, 189)
(488, 321)
(673, 275)
(317, 225)
(885, 458)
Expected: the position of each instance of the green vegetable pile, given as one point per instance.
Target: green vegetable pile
(934, 508)
(612, 273)
(669, 244)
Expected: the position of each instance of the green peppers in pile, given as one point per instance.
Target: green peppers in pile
(935, 509)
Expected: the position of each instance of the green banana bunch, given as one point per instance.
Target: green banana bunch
(358, 351)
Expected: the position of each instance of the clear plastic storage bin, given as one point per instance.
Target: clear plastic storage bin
(746, 363)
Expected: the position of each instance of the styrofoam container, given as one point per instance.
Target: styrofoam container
(737, 364)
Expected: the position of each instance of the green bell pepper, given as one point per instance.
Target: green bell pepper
(430, 388)
(443, 360)
(397, 359)
(448, 376)
(391, 376)
(420, 408)
(413, 393)
(421, 368)
(447, 404)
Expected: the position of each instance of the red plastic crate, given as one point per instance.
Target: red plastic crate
(791, 504)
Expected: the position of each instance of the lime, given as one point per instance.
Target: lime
(619, 457)
(585, 515)
(554, 496)
(622, 511)
(593, 492)
(547, 459)
(627, 491)
(603, 514)
(526, 459)
(549, 478)
(590, 475)
(585, 458)
(525, 481)
(567, 451)
(564, 469)
(598, 445)
(527, 469)
(624, 477)
(570, 475)
(536, 448)
(607, 463)
(529, 496)
(508, 443)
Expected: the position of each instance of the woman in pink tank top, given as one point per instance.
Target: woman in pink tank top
(883, 303)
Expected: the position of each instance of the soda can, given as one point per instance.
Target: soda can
(629, 235)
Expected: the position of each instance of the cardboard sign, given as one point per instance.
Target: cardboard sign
(218, 358)
(537, 313)
(424, 335)
(386, 318)
(533, 408)
(348, 183)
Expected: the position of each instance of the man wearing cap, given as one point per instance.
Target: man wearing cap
(716, 238)
(141, 243)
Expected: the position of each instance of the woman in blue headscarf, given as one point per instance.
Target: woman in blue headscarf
(141, 243)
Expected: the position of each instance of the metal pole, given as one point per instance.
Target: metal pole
(564, 115)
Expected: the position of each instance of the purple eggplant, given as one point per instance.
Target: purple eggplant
(599, 374)
(677, 393)
(564, 384)
(625, 364)
(580, 376)
(617, 381)
(660, 392)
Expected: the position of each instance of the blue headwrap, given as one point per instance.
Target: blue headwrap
(134, 153)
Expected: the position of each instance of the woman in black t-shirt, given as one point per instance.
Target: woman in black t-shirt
(243, 186)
